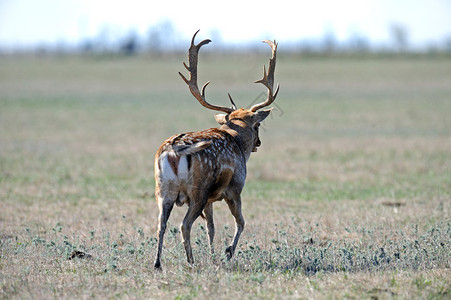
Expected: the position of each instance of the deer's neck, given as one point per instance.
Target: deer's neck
(243, 136)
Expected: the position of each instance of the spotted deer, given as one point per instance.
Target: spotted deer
(200, 168)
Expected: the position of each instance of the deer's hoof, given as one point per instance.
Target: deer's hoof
(229, 252)
(157, 266)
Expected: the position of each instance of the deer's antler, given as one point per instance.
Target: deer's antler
(268, 78)
(193, 53)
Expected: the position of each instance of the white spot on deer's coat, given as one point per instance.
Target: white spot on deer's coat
(226, 167)
(183, 168)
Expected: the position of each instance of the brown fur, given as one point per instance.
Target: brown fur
(174, 162)
(200, 168)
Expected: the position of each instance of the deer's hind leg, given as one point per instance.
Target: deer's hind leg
(194, 210)
(165, 205)
(208, 213)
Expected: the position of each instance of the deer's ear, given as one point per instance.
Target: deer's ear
(261, 115)
(221, 118)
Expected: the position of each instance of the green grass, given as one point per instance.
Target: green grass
(348, 197)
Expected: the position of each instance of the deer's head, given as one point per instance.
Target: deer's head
(241, 123)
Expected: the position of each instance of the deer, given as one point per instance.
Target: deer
(200, 168)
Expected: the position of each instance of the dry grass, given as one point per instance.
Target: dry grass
(348, 197)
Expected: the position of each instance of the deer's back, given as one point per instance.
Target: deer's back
(208, 162)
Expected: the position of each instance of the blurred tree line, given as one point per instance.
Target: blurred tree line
(163, 37)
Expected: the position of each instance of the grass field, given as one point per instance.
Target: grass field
(348, 197)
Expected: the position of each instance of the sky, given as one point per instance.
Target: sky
(24, 23)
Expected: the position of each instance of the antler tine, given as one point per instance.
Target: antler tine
(193, 53)
(268, 78)
(233, 103)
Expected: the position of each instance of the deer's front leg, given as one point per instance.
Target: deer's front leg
(235, 209)
(194, 211)
(208, 211)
